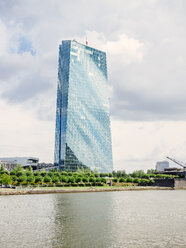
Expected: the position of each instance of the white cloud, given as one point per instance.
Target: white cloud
(139, 145)
(22, 134)
(4, 38)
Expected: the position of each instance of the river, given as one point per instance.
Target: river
(128, 219)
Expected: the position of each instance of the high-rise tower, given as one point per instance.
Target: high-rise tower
(83, 135)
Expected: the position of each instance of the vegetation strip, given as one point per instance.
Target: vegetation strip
(81, 178)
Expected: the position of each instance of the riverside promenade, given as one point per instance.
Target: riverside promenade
(54, 190)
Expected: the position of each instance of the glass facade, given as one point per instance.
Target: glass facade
(83, 135)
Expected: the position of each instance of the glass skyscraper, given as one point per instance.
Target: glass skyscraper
(82, 135)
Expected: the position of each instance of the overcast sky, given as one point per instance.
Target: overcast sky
(146, 56)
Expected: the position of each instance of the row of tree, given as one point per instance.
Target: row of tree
(19, 176)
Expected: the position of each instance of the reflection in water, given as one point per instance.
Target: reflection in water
(83, 220)
(111, 219)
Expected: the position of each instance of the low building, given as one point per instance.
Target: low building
(162, 165)
(8, 165)
(25, 162)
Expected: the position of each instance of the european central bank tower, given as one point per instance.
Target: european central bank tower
(82, 135)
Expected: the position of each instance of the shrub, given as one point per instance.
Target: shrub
(92, 179)
(104, 174)
(115, 180)
(29, 173)
(88, 184)
(64, 179)
(57, 174)
(64, 173)
(136, 180)
(36, 173)
(103, 180)
(19, 173)
(38, 179)
(78, 179)
(47, 179)
(85, 179)
(144, 182)
(99, 184)
(13, 173)
(81, 184)
(66, 185)
(151, 182)
(30, 179)
(55, 179)
(6, 179)
(43, 173)
(98, 180)
(50, 174)
(74, 184)
(71, 180)
(129, 180)
(21, 179)
(121, 180)
(14, 178)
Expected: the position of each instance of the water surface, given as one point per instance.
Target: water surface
(108, 219)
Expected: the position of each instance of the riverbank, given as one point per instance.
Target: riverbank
(54, 190)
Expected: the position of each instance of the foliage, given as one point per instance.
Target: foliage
(47, 179)
(30, 179)
(82, 177)
(43, 173)
(6, 179)
(38, 179)
(22, 178)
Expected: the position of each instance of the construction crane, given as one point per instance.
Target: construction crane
(178, 162)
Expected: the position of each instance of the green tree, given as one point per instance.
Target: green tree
(92, 179)
(47, 179)
(2, 168)
(78, 179)
(30, 179)
(22, 178)
(6, 179)
(71, 180)
(129, 180)
(13, 172)
(85, 179)
(38, 179)
(121, 180)
(64, 179)
(57, 174)
(36, 173)
(14, 178)
(55, 179)
(96, 174)
(151, 171)
(29, 173)
(43, 173)
(136, 180)
(98, 180)
(50, 174)
(19, 173)
(19, 168)
(115, 180)
(103, 180)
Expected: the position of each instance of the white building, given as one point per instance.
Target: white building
(162, 165)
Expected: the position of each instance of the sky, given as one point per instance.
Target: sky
(146, 58)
